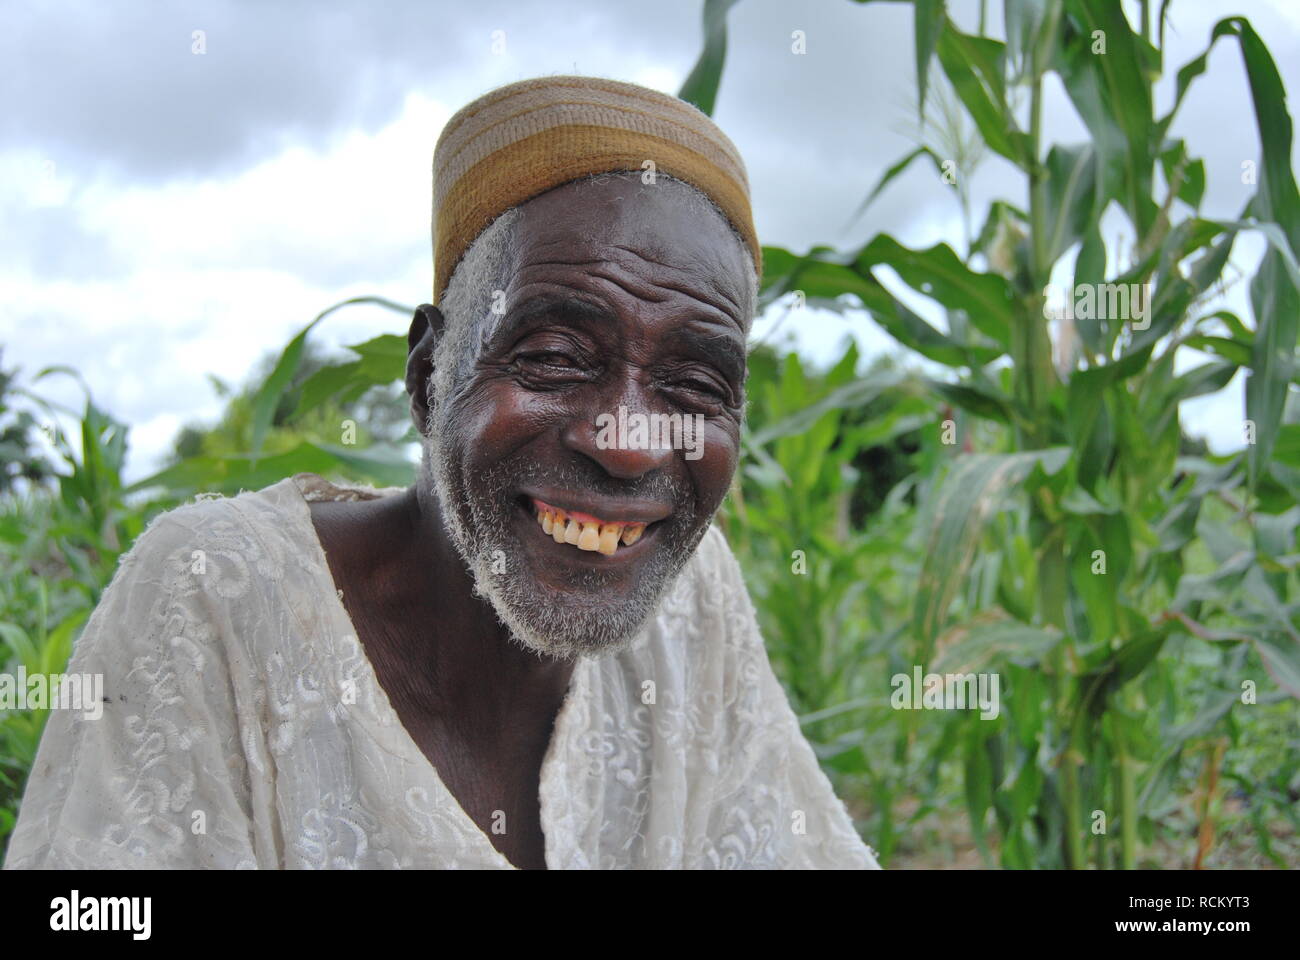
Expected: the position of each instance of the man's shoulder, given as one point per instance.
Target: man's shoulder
(211, 518)
(208, 572)
(224, 547)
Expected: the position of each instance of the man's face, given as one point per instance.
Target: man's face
(624, 296)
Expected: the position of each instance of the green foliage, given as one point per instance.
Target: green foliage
(346, 419)
(1135, 596)
(59, 546)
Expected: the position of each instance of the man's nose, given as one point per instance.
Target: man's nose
(609, 437)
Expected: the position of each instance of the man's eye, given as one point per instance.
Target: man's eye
(550, 359)
(706, 388)
(703, 386)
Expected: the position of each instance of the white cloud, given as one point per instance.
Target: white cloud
(223, 271)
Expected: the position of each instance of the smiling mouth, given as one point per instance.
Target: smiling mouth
(586, 531)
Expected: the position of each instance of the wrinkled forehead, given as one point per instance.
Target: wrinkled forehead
(664, 233)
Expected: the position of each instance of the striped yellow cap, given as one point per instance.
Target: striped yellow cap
(522, 139)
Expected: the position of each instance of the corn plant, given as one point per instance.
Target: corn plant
(1085, 549)
(814, 574)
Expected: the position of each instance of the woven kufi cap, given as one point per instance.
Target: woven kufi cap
(525, 138)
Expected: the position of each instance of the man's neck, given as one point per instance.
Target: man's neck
(447, 643)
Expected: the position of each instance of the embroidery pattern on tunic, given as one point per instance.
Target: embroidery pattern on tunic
(239, 695)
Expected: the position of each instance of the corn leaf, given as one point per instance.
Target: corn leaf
(701, 85)
(972, 492)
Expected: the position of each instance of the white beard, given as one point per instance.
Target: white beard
(484, 534)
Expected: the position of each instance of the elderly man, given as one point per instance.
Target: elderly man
(541, 654)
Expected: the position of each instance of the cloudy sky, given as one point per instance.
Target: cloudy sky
(167, 214)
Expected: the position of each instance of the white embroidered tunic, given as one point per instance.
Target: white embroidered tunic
(244, 727)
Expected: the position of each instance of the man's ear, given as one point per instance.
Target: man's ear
(426, 330)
